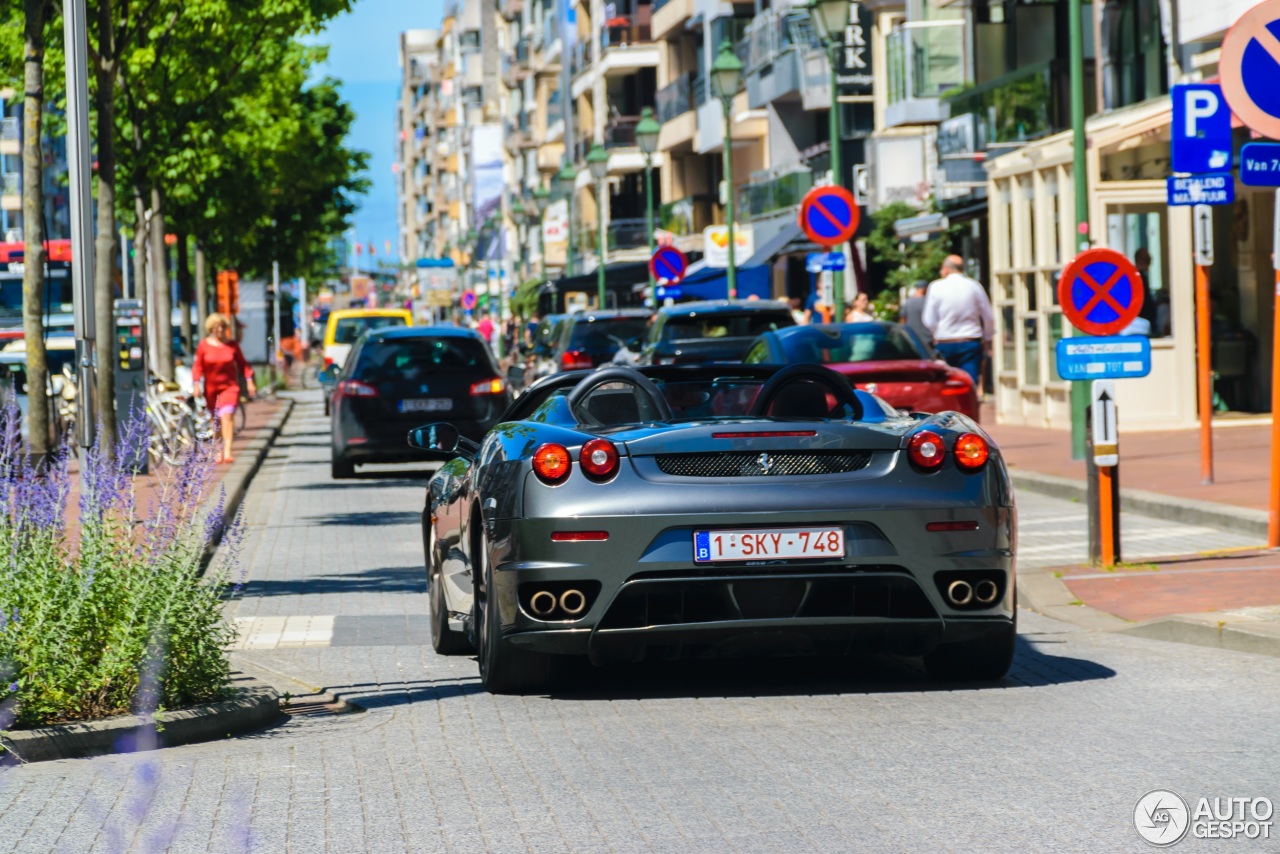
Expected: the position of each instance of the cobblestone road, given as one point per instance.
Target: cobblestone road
(695, 757)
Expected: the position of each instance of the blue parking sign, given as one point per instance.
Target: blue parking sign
(1201, 129)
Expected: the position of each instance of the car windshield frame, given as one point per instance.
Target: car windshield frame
(606, 327)
(879, 342)
(480, 360)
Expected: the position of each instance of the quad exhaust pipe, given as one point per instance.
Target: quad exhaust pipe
(959, 593)
(986, 592)
(546, 606)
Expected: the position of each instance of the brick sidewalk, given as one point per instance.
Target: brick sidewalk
(1166, 462)
(258, 415)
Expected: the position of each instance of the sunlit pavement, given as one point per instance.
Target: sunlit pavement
(785, 755)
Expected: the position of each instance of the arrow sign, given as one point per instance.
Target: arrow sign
(1106, 436)
(1204, 235)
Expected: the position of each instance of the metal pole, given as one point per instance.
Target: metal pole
(275, 318)
(1079, 168)
(1204, 374)
(600, 238)
(837, 280)
(301, 328)
(78, 169)
(1273, 521)
(568, 253)
(542, 244)
(124, 266)
(728, 190)
(648, 212)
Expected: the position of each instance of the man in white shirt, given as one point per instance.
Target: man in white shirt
(958, 314)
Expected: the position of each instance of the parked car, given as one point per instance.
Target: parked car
(886, 359)
(711, 331)
(397, 378)
(608, 517)
(590, 339)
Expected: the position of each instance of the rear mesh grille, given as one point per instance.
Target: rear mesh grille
(767, 464)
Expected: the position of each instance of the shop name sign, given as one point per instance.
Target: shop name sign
(855, 56)
(1212, 189)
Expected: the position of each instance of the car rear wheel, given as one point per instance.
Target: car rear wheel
(983, 659)
(504, 667)
(444, 640)
(341, 469)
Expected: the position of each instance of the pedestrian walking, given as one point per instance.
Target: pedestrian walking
(220, 366)
(958, 314)
(485, 328)
(912, 312)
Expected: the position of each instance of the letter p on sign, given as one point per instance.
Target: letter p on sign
(1201, 104)
(1201, 129)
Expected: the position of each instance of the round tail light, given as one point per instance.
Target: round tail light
(599, 458)
(971, 451)
(926, 450)
(551, 463)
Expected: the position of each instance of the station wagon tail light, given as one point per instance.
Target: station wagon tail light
(355, 388)
(551, 463)
(599, 459)
(493, 386)
(926, 450)
(572, 360)
(971, 452)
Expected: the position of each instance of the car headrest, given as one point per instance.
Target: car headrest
(801, 400)
(611, 407)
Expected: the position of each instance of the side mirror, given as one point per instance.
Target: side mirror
(328, 376)
(441, 438)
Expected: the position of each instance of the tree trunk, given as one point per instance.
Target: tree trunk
(202, 290)
(104, 260)
(33, 283)
(163, 289)
(140, 271)
(184, 294)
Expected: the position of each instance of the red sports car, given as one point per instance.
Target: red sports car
(886, 359)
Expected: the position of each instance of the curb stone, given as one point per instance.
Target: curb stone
(253, 706)
(1209, 514)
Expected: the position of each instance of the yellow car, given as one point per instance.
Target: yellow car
(347, 325)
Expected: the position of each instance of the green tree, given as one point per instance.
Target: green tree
(909, 260)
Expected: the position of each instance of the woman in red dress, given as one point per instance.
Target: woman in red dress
(220, 365)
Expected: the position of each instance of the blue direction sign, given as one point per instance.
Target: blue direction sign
(1217, 189)
(1260, 164)
(669, 292)
(1201, 130)
(1114, 357)
(816, 262)
(668, 264)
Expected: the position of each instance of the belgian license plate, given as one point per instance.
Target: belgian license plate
(427, 404)
(786, 543)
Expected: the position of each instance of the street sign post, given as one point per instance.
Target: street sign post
(1203, 229)
(829, 215)
(1106, 456)
(668, 264)
(1201, 128)
(1213, 189)
(1100, 292)
(1111, 357)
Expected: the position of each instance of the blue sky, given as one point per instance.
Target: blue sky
(364, 49)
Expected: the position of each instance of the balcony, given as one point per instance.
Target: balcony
(620, 132)
(676, 98)
(687, 216)
(11, 184)
(10, 135)
(1022, 106)
(622, 234)
(924, 60)
(510, 9)
(771, 51)
(763, 198)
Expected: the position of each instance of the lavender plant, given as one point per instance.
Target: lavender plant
(111, 614)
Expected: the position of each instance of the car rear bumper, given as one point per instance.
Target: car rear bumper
(646, 596)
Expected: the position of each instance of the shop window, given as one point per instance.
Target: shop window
(1055, 335)
(1029, 287)
(1008, 341)
(1031, 351)
(1138, 231)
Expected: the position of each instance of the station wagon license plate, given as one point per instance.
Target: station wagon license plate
(785, 543)
(427, 404)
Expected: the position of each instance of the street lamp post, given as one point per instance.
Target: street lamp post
(726, 75)
(541, 199)
(830, 17)
(567, 180)
(647, 132)
(598, 163)
(518, 216)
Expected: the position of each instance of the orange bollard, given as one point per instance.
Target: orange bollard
(1204, 374)
(1106, 517)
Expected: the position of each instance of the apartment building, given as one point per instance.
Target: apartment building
(419, 60)
(57, 204)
